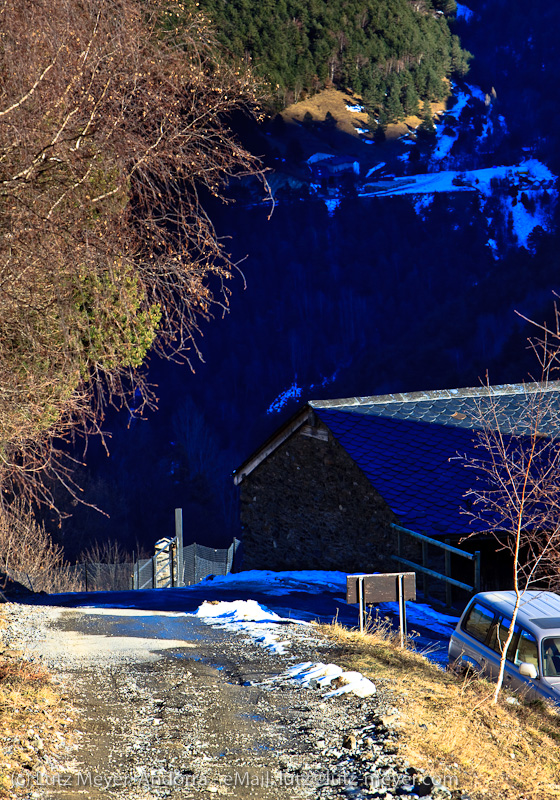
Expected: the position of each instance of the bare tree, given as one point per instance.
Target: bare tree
(113, 119)
(516, 489)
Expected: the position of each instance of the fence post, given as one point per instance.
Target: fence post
(179, 539)
(154, 569)
(171, 565)
(477, 571)
(425, 579)
(448, 587)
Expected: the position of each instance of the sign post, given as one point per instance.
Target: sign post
(388, 587)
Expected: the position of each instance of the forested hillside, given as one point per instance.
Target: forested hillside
(394, 52)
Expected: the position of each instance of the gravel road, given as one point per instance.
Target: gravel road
(169, 707)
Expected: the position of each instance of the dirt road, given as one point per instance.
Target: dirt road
(169, 707)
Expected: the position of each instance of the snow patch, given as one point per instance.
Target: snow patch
(319, 157)
(422, 203)
(476, 91)
(423, 615)
(332, 203)
(311, 676)
(312, 581)
(493, 245)
(278, 404)
(355, 109)
(464, 13)
(374, 169)
(525, 221)
(445, 143)
(247, 616)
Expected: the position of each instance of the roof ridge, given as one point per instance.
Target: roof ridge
(441, 394)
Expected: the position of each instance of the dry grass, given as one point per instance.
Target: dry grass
(335, 102)
(34, 722)
(450, 727)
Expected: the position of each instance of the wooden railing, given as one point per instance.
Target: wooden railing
(427, 573)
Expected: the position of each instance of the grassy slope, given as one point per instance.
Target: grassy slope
(335, 101)
(449, 726)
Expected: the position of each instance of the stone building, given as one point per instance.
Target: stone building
(323, 491)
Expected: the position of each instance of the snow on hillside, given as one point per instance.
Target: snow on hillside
(521, 191)
(533, 172)
(464, 13)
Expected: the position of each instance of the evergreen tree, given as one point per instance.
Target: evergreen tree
(302, 45)
(427, 127)
(410, 101)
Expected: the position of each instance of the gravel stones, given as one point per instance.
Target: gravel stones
(215, 717)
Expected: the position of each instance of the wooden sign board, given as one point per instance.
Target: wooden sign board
(380, 588)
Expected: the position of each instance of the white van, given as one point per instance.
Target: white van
(533, 659)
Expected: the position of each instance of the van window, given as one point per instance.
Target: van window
(551, 656)
(478, 622)
(527, 649)
(499, 635)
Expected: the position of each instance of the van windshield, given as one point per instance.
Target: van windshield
(551, 656)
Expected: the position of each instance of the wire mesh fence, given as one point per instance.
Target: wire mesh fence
(167, 568)
(200, 561)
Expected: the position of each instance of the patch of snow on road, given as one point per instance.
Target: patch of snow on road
(475, 180)
(114, 610)
(247, 616)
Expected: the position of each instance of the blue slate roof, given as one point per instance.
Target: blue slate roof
(406, 444)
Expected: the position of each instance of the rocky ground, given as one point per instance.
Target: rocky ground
(196, 712)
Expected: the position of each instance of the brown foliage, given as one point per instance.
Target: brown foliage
(112, 117)
(29, 556)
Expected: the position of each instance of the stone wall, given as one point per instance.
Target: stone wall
(309, 506)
